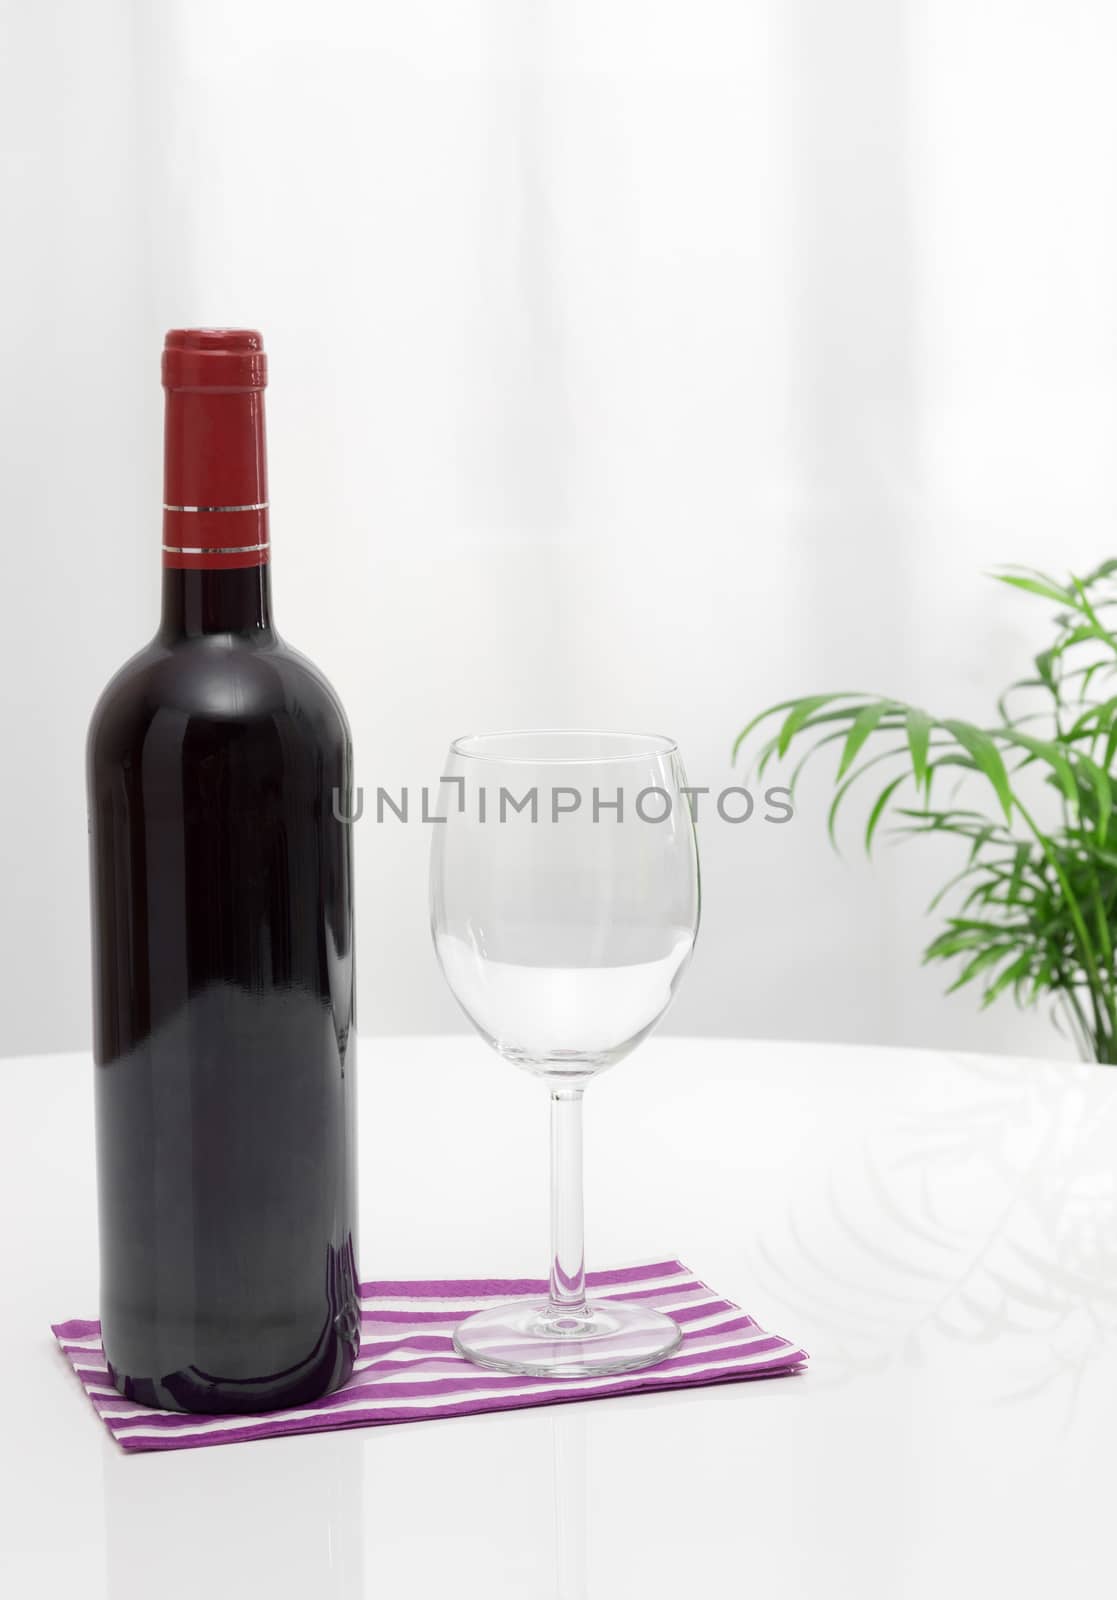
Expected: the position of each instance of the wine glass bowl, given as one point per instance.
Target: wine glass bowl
(564, 909)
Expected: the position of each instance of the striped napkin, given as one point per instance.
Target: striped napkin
(407, 1368)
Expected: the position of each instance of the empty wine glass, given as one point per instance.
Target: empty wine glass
(564, 909)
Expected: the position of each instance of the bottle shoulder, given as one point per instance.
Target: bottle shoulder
(306, 671)
(216, 680)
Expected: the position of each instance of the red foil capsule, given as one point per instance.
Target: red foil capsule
(215, 483)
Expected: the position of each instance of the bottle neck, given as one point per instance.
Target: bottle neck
(236, 600)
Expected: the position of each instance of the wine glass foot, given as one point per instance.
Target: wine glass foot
(534, 1338)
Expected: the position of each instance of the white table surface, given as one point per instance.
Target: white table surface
(939, 1231)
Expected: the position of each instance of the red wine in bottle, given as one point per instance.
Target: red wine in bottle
(219, 769)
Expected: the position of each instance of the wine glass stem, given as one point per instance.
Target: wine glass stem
(568, 1265)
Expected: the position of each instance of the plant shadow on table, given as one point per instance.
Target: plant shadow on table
(984, 1217)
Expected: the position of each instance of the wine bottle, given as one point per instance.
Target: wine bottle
(219, 767)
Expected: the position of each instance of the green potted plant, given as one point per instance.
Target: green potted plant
(1035, 897)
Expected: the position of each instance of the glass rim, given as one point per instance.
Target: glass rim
(646, 745)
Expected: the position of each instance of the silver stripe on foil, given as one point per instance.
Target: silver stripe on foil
(261, 506)
(213, 549)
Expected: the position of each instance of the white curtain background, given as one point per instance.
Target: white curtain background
(633, 364)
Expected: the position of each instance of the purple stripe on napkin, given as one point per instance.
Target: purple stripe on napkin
(407, 1368)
